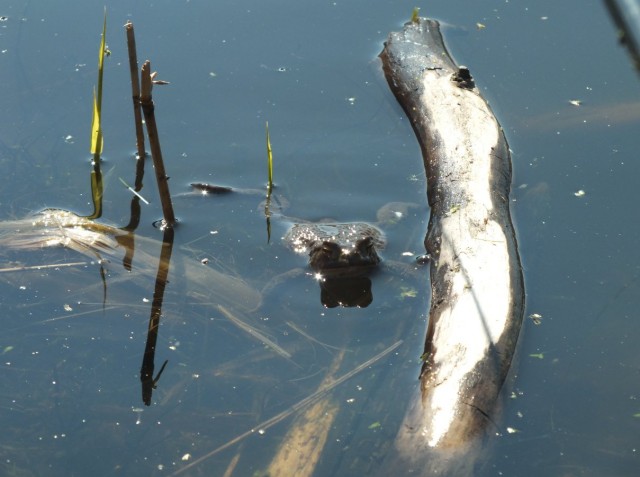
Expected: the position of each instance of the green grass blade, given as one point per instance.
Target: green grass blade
(97, 141)
(415, 15)
(96, 127)
(269, 161)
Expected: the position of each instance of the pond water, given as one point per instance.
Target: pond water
(73, 341)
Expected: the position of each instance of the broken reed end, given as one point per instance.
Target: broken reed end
(135, 89)
(148, 109)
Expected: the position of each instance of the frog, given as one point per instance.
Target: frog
(342, 256)
(337, 249)
(334, 249)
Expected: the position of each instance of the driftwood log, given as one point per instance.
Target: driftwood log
(477, 290)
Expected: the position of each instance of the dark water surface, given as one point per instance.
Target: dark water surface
(70, 395)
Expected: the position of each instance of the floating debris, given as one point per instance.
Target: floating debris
(210, 188)
(536, 318)
(408, 292)
(579, 193)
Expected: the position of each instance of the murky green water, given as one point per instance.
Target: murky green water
(70, 396)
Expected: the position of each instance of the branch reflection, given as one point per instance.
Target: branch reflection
(148, 361)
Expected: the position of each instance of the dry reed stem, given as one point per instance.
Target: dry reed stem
(135, 89)
(148, 109)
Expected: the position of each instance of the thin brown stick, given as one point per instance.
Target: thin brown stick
(135, 89)
(148, 109)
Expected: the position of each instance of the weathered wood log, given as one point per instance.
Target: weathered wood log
(477, 290)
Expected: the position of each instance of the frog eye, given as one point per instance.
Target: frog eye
(330, 248)
(365, 243)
